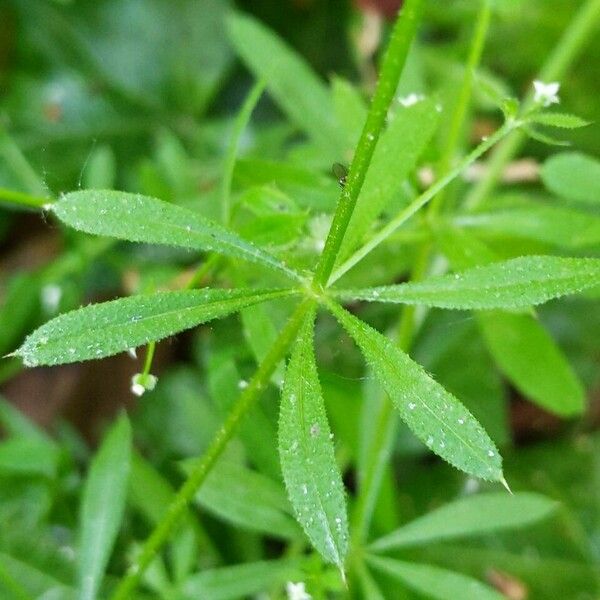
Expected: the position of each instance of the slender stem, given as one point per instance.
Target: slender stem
(391, 68)
(418, 203)
(240, 123)
(149, 357)
(564, 54)
(23, 199)
(405, 334)
(464, 98)
(187, 491)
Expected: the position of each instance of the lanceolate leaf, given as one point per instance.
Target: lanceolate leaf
(521, 347)
(530, 358)
(140, 218)
(472, 515)
(290, 81)
(395, 156)
(574, 176)
(310, 472)
(511, 284)
(104, 329)
(562, 120)
(434, 582)
(558, 225)
(432, 413)
(102, 507)
(242, 581)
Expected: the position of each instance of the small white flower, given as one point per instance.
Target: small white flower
(546, 93)
(411, 99)
(140, 383)
(132, 352)
(296, 591)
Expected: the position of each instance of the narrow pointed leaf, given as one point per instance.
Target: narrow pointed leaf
(102, 507)
(558, 225)
(526, 353)
(290, 81)
(434, 582)
(561, 120)
(104, 329)
(511, 284)
(227, 489)
(242, 581)
(140, 218)
(311, 475)
(434, 415)
(473, 515)
(574, 176)
(395, 157)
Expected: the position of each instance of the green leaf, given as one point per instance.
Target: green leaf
(102, 506)
(511, 284)
(350, 109)
(551, 224)
(107, 328)
(394, 158)
(473, 515)
(536, 135)
(530, 358)
(435, 416)
(242, 581)
(28, 456)
(290, 81)
(573, 176)
(140, 218)
(562, 120)
(311, 475)
(435, 582)
(227, 489)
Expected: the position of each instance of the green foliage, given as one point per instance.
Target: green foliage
(102, 506)
(473, 515)
(142, 219)
(512, 284)
(308, 463)
(270, 453)
(436, 417)
(573, 176)
(103, 329)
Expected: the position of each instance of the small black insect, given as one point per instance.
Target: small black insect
(340, 172)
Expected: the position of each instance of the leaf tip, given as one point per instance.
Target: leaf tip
(505, 484)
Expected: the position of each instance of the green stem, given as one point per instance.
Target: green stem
(23, 199)
(391, 68)
(240, 123)
(422, 200)
(149, 357)
(565, 52)
(464, 98)
(381, 450)
(187, 491)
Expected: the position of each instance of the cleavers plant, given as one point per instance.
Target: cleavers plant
(502, 290)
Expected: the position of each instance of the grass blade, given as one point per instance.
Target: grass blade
(434, 582)
(473, 515)
(102, 507)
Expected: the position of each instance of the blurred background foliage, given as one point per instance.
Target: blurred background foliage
(140, 95)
